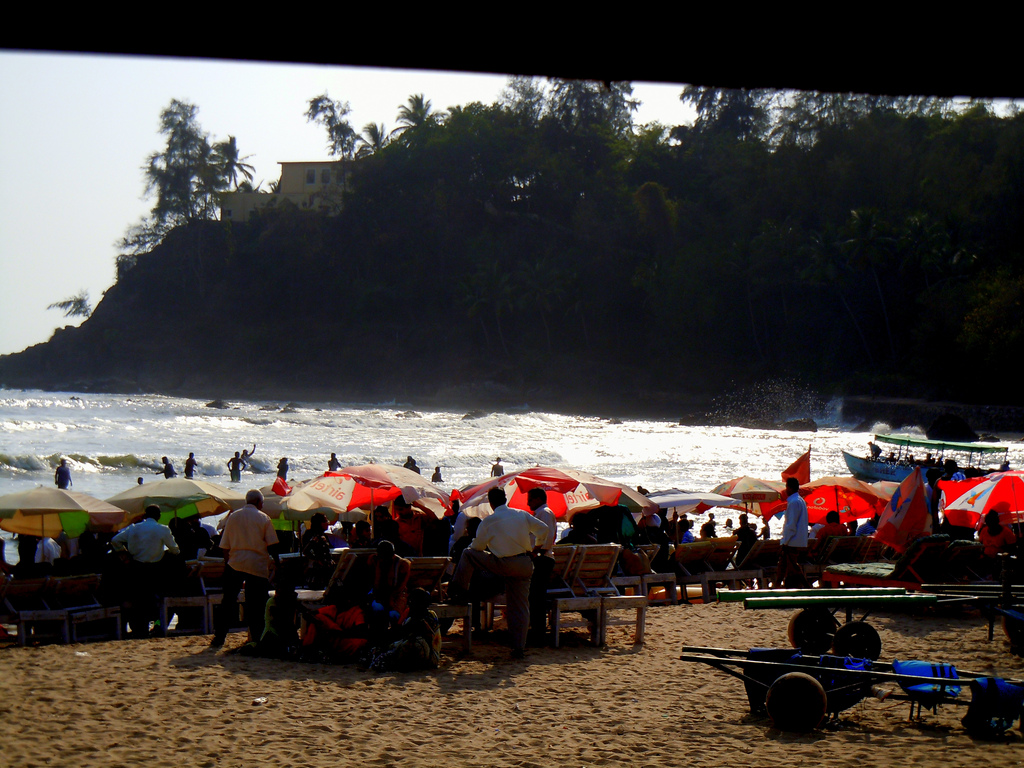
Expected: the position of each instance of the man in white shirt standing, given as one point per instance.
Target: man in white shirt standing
(794, 537)
(249, 540)
(145, 542)
(543, 563)
(508, 535)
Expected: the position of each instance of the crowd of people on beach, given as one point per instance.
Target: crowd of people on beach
(371, 615)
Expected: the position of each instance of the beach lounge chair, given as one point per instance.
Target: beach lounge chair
(841, 549)
(562, 574)
(88, 619)
(762, 556)
(426, 573)
(655, 579)
(830, 550)
(590, 580)
(962, 561)
(189, 602)
(917, 565)
(211, 573)
(716, 568)
(25, 600)
(871, 550)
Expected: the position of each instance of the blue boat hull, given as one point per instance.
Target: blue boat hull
(866, 469)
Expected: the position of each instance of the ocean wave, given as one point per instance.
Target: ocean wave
(26, 462)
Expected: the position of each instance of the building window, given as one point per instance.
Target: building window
(325, 176)
(311, 176)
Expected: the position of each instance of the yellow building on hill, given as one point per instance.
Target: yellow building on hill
(309, 186)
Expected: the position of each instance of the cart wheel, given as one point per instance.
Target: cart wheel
(811, 630)
(858, 639)
(1014, 630)
(796, 702)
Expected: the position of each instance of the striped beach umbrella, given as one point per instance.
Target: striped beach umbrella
(44, 511)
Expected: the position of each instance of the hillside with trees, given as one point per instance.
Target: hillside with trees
(546, 249)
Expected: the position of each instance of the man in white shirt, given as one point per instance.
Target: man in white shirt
(249, 540)
(145, 542)
(794, 537)
(543, 563)
(508, 535)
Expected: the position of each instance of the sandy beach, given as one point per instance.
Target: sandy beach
(174, 702)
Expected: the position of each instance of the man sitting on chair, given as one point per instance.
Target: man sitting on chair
(507, 535)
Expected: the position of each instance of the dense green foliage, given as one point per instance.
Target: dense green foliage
(866, 241)
(547, 243)
(185, 180)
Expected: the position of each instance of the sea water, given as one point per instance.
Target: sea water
(111, 440)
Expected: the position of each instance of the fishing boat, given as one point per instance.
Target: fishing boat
(898, 469)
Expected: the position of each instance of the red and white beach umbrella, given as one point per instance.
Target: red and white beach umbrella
(1000, 491)
(850, 497)
(569, 491)
(364, 487)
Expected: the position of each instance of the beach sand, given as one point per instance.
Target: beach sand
(174, 702)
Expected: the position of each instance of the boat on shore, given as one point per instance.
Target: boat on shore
(898, 468)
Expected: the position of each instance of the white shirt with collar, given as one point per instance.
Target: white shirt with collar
(145, 541)
(794, 530)
(509, 532)
(545, 515)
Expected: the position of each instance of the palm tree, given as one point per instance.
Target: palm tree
(415, 113)
(372, 139)
(229, 164)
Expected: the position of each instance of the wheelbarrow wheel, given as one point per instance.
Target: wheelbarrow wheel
(812, 629)
(858, 639)
(1014, 630)
(796, 702)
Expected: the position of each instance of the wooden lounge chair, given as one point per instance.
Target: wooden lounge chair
(26, 603)
(716, 567)
(962, 561)
(690, 558)
(426, 573)
(590, 581)
(762, 556)
(655, 579)
(212, 575)
(917, 565)
(871, 550)
(562, 574)
(88, 619)
(841, 549)
(189, 602)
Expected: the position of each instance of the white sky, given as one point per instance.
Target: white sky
(75, 131)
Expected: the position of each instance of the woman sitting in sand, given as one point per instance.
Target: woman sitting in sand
(390, 591)
(419, 644)
(336, 632)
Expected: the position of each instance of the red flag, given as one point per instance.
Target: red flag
(908, 515)
(800, 469)
(281, 488)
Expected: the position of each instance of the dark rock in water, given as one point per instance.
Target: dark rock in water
(800, 425)
(952, 428)
(290, 408)
(408, 415)
(987, 438)
(268, 407)
(474, 414)
(614, 421)
(217, 404)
